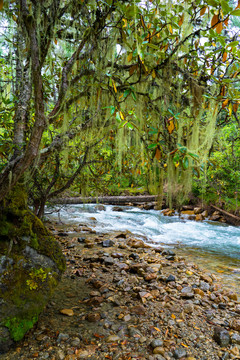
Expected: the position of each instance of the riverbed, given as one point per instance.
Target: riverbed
(214, 246)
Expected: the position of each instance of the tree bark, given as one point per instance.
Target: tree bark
(113, 200)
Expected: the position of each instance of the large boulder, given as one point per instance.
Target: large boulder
(31, 264)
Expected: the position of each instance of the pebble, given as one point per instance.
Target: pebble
(188, 307)
(107, 243)
(62, 337)
(156, 343)
(170, 278)
(149, 313)
(179, 353)
(187, 293)
(235, 339)
(60, 354)
(158, 350)
(221, 336)
(204, 286)
(112, 338)
(235, 324)
(75, 342)
(93, 317)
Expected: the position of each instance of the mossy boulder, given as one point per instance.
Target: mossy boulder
(31, 264)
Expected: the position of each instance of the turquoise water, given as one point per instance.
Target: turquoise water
(215, 247)
(210, 237)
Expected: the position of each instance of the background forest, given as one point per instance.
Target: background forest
(116, 96)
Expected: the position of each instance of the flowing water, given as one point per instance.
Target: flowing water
(214, 246)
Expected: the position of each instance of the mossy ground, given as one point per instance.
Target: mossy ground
(26, 287)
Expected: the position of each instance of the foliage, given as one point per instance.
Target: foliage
(114, 91)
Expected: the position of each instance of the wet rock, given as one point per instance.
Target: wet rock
(134, 256)
(112, 338)
(122, 235)
(60, 354)
(107, 243)
(235, 351)
(108, 260)
(156, 343)
(62, 337)
(221, 336)
(179, 353)
(136, 244)
(75, 342)
(81, 239)
(237, 309)
(68, 312)
(197, 210)
(235, 339)
(138, 310)
(187, 292)
(234, 324)
(199, 217)
(204, 286)
(148, 206)
(232, 296)
(206, 278)
(168, 252)
(133, 332)
(158, 350)
(199, 292)
(93, 317)
(187, 212)
(170, 278)
(188, 307)
(61, 233)
(117, 208)
(215, 216)
(187, 207)
(168, 212)
(100, 207)
(150, 277)
(157, 357)
(127, 317)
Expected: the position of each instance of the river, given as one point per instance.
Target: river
(214, 246)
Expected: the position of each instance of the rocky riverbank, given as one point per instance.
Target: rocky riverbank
(121, 299)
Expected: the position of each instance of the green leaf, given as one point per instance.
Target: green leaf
(185, 162)
(182, 149)
(176, 158)
(133, 96)
(233, 43)
(213, 3)
(235, 12)
(153, 46)
(195, 156)
(118, 117)
(130, 126)
(225, 7)
(126, 93)
(152, 146)
(112, 109)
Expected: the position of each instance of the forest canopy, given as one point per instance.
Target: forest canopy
(109, 85)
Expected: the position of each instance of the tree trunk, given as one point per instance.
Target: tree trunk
(114, 200)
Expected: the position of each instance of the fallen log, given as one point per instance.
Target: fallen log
(113, 200)
(231, 219)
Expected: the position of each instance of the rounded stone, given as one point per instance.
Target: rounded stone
(221, 336)
(156, 343)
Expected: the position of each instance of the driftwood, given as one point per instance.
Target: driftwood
(113, 200)
(231, 219)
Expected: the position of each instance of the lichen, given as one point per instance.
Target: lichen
(26, 285)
